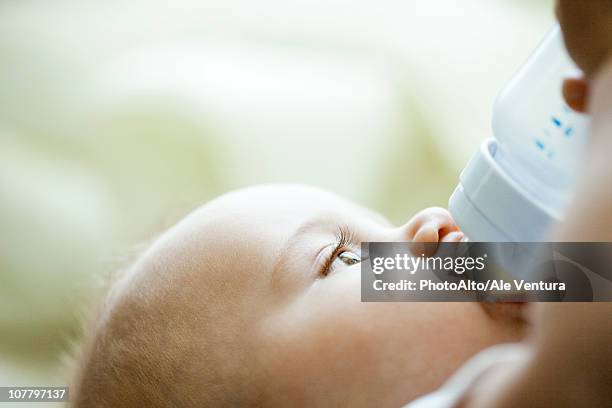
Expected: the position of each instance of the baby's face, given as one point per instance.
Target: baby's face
(261, 287)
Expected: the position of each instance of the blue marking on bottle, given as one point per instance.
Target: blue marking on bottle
(551, 155)
(569, 131)
(540, 144)
(557, 122)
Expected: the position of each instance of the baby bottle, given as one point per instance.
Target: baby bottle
(518, 183)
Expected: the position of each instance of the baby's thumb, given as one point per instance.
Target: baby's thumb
(576, 93)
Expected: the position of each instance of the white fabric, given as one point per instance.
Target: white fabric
(449, 395)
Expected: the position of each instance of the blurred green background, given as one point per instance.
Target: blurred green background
(118, 117)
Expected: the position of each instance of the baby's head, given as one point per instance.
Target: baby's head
(254, 299)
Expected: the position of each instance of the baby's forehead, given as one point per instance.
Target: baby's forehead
(289, 204)
(238, 237)
(264, 218)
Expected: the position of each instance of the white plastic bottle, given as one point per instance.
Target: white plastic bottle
(519, 182)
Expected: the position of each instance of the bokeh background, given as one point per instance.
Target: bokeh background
(118, 117)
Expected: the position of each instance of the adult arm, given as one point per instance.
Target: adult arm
(571, 360)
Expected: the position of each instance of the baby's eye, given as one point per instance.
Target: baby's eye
(341, 255)
(348, 258)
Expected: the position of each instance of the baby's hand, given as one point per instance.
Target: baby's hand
(433, 225)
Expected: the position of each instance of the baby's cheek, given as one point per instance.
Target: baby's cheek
(323, 334)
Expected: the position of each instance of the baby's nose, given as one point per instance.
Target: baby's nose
(421, 239)
(430, 225)
(426, 230)
(430, 231)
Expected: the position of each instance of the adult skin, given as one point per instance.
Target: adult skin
(587, 30)
(571, 364)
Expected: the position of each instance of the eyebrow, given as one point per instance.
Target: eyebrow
(327, 223)
(321, 224)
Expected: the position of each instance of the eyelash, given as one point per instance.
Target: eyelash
(344, 237)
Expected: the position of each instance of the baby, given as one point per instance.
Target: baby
(254, 300)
